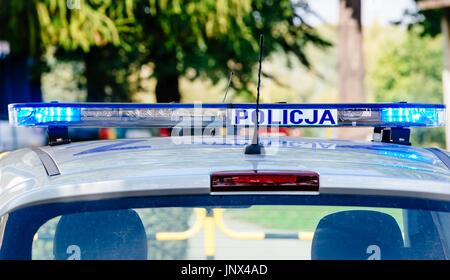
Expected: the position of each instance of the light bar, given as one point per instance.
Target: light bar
(237, 115)
(263, 181)
(113, 114)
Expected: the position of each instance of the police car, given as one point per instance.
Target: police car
(206, 193)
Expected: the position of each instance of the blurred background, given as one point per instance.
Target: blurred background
(316, 51)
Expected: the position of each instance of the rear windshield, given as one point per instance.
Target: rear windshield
(256, 232)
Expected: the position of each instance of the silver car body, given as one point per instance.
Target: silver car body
(183, 165)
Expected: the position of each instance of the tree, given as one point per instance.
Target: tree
(17, 83)
(209, 38)
(434, 18)
(351, 60)
(429, 20)
(351, 57)
(212, 38)
(95, 33)
(409, 69)
(32, 26)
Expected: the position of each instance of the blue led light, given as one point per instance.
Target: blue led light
(405, 155)
(47, 115)
(419, 116)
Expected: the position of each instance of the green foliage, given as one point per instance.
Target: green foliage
(213, 38)
(19, 26)
(107, 71)
(95, 23)
(428, 20)
(298, 218)
(409, 69)
(166, 220)
(431, 22)
(206, 39)
(33, 25)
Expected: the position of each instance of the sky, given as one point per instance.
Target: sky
(373, 11)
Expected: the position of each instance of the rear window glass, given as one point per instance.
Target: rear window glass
(257, 232)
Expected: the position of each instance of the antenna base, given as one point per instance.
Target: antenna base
(254, 149)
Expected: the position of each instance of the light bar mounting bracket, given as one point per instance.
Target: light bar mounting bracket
(392, 135)
(58, 135)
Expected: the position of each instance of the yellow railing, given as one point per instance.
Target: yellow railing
(210, 218)
(200, 214)
(218, 216)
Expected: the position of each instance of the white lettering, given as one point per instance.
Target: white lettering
(74, 252)
(375, 252)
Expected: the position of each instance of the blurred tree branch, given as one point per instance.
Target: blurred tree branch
(210, 37)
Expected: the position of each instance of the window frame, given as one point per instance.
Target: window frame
(22, 224)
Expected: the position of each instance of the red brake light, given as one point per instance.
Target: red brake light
(236, 181)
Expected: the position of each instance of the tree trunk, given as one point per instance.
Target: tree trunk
(107, 72)
(14, 83)
(36, 89)
(167, 88)
(351, 61)
(94, 80)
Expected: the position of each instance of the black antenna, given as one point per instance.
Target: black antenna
(255, 148)
(228, 87)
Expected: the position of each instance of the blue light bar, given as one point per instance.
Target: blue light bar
(237, 115)
(409, 115)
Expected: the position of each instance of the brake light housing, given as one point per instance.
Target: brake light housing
(265, 181)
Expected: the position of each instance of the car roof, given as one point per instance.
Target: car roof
(182, 165)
